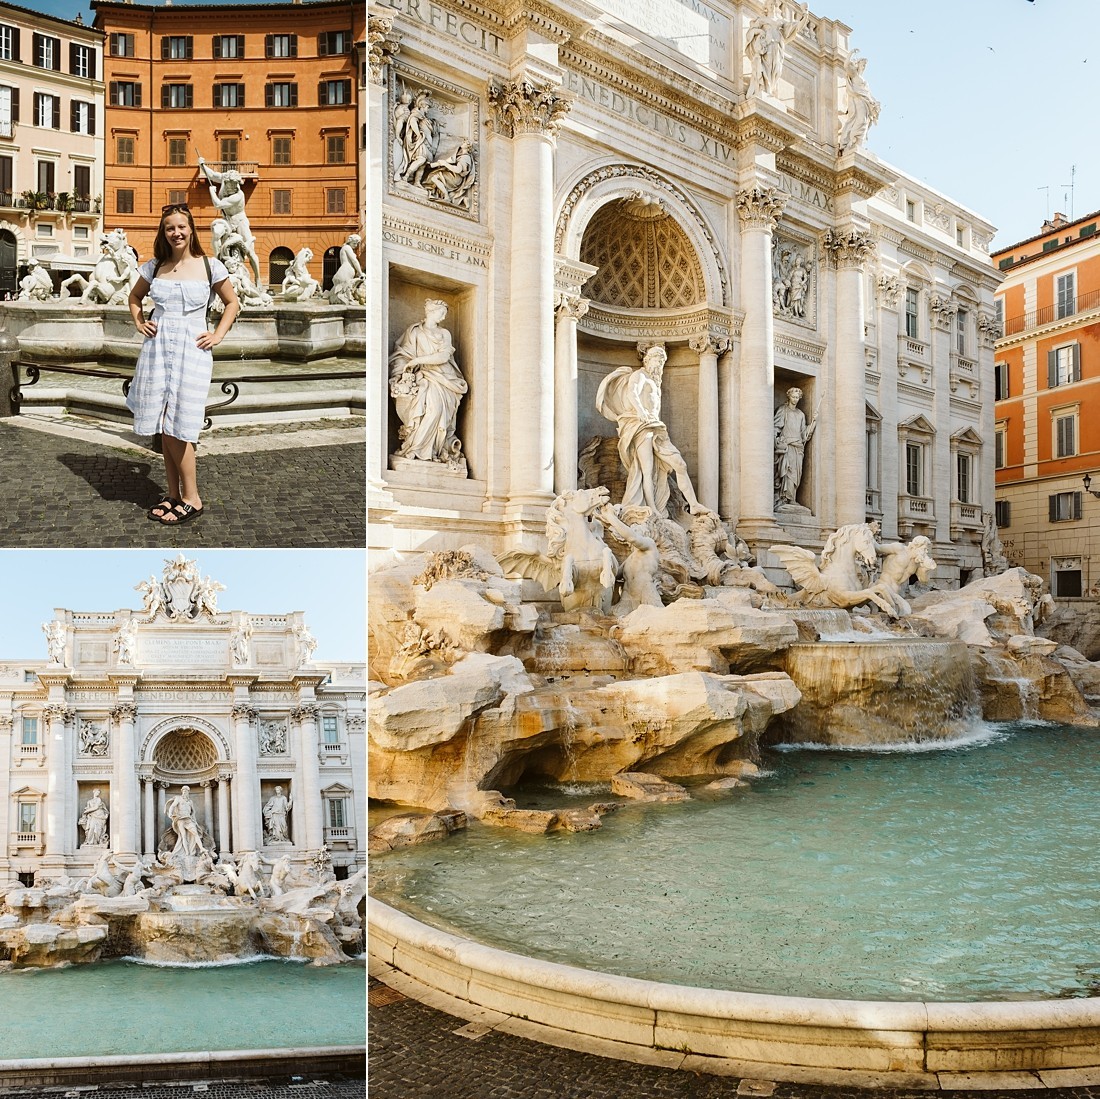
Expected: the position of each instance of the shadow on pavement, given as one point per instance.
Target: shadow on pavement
(115, 478)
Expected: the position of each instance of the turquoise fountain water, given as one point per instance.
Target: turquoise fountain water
(126, 1008)
(968, 872)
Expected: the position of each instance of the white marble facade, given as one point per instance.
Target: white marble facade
(627, 182)
(145, 701)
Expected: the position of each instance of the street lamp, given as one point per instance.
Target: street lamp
(1087, 480)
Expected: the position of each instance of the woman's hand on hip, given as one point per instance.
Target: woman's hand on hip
(208, 340)
(147, 328)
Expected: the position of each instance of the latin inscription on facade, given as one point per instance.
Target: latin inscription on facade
(183, 650)
(805, 193)
(611, 99)
(450, 23)
(692, 27)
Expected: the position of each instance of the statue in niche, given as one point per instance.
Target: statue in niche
(272, 736)
(298, 283)
(452, 180)
(228, 197)
(349, 284)
(399, 117)
(791, 273)
(862, 110)
(55, 641)
(766, 44)
(631, 398)
(419, 139)
(276, 811)
(427, 386)
(93, 820)
(94, 739)
(126, 642)
(36, 285)
(181, 815)
(792, 435)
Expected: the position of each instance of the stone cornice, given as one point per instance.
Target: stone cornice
(768, 127)
(861, 176)
(809, 350)
(799, 166)
(651, 325)
(917, 251)
(436, 233)
(521, 14)
(884, 232)
(570, 275)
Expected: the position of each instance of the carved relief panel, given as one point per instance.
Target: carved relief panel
(432, 144)
(794, 279)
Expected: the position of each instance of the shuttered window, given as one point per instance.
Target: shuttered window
(1064, 365)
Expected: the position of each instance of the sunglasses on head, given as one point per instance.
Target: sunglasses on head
(182, 207)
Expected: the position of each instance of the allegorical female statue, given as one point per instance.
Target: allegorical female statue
(427, 386)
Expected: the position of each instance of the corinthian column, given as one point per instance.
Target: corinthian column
(308, 801)
(59, 789)
(758, 209)
(124, 793)
(530, 114)
(570, 309)
(246, 789)
(708, 348)
(849, 251)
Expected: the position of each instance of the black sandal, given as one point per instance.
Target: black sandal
(184, 512)
(158, 511)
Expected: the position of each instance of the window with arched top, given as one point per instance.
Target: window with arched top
(277, 264)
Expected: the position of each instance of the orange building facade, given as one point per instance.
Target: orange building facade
(1047, 365)
(270, 90)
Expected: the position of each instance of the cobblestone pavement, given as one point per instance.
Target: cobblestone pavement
(281, 1088)
(287, 486)
(414, 1052)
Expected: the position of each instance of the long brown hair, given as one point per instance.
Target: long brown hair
(161, 248)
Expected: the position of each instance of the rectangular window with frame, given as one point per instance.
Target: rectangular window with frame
(9, 110)
(9, 43)
(177, 47)
(177, 152)
(228, 95)
(331, 93)
(280, 151)
(337, 813)
(960, 235)
(1000, 381)
(962, 322)
(228, 46)
(1065, 291)
(999, 313)
(914, 469)
(335, 149)
(335, 198)
(7, 177)
(331, 43)
(47, 111)
(1065, 435)
(124, 200)
(125, 93)
(281, 45)
(910, 210)
(124, 149)
(177, 197)
(281, 95)
(1002, 513)
(912, 312)
(30, 730)
(28, 817)
(1064, 365)
(229, 147)
(1000, 448)
(82, 61)
(121, 45)
(46, 176)
(82, 117)
(280, 200)
(82, 184)
(47, 52)
(44, 229)
(963, 483)
(179, 97)
(1064, 507)
(330, 729)
(1065, 578)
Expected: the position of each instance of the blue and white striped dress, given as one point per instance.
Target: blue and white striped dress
(172, 376)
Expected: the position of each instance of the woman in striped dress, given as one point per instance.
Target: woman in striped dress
(172, 376)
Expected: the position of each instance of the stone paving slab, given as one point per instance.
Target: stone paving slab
(60, 491)
(416, 1052)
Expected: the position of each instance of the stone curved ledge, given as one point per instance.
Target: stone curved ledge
(1017, 1044)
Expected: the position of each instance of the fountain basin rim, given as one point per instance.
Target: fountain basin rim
(873, 1038)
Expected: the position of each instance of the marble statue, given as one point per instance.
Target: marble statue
(181, 814)
(349, 284)
(276, 811)
(55, 641)
(792, 434)
(93, 820)
(451, 181)
(307, 644)
(125, 644)
(114, 275)
(640, 566)
(791, 277)
(240, 644)
(863, 109)
(298, 283)
(272, 737)
(419, 139)
(206, 596)
(766, 44)
(631, 398)
(282, 877)
(577, 561)
(36, 285)
(427, 386)
(151, 597)
(247, 292)
(103, 879)
(228, 197)
(94, 739)
(900, 563)
(399, 118)
(994, 561)
(248, 878)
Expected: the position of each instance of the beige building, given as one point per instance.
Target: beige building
(51, 142)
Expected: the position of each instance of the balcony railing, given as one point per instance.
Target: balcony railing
(1082, 303)
(247, 168)
(907, 345)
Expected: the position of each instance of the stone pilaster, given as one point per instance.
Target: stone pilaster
(124, 787)
(568, 311)
(529, 114)
(708, 347)
(849, 251)
(224, 837)
(247, 787)
(60, 790)
(890, 289)
(758, 209)
(309, 827)
(941, 315)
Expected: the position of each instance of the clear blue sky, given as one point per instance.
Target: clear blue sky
(328, 585)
